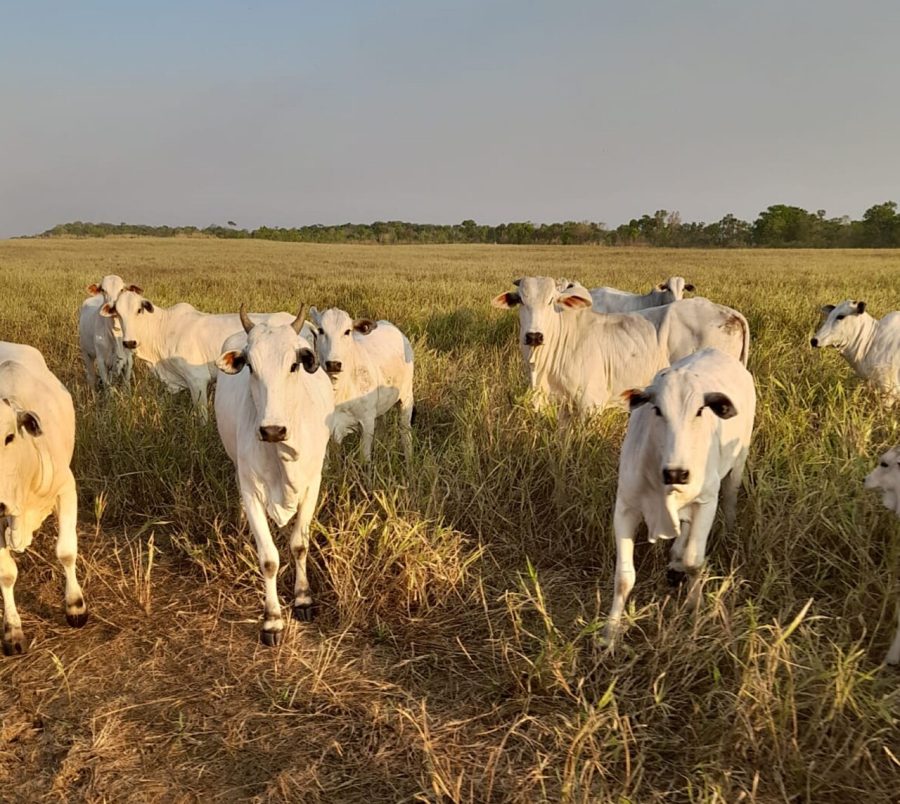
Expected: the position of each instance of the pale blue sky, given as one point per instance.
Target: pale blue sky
(324, 112)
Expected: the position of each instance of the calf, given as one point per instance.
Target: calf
(613, 300)
(274, 419)
(37, 437)
(688, 434)
(101, 345)
(886, 478)
(371, 369)
(871, 346)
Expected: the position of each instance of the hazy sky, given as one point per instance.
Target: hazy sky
(290, 113)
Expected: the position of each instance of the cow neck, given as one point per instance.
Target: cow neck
(343, 386)
(150, 348)
(856, 350)
(546, 354)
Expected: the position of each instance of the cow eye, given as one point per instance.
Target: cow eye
(347, 332)
(9, 438)
(657, 411)
(884, 464)
(840, 318)
(294, 367)
(321, 331)
(700, 412)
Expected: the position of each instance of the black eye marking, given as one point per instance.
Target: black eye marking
(347, 332)
(700, 412)
(884, 464)
(321, 331)
(840, 318)
(9, 438)
(294, 367)
(657, 411)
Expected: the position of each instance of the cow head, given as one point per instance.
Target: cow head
(111, 286)
(19, 466)
(681, 421)
(886, 478)
(541, 300)
(675, 286)
(129, 308)
(842, 324)
(274, 357)
(335, 334)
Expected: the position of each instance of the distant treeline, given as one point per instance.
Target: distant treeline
(778, 226)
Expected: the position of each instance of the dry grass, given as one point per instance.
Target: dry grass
(454, 657)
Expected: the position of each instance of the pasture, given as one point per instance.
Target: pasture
(455, 654)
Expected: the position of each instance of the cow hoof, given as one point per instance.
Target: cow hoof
(303, 612)
(270, 639)
(14, 643)
(675, 578)
(77, 620)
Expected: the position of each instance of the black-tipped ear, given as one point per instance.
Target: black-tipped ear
(93, 289)
(147, 305)
(364, 325)
(689, 287)
(108, 310)
(135, 289)
(29, 421)
(860, 307)
(636, 397)
(518, 281)
(720, 405)
(232, 362)
(827, 308)
(307, 358)
(662, 286)
(506, 300)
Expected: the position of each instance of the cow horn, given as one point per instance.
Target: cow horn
(245, 319)
(297, 323)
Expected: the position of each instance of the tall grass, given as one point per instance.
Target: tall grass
(456, 656)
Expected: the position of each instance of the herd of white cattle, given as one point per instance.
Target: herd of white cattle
(287, 383)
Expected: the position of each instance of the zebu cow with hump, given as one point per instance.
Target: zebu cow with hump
(37, 438)
(274, 412)
(688, 436)
(181, 343)
(102, 352)
(586, 360)
(870, 345)
(886, 478)
(370, 364)
(613, 300)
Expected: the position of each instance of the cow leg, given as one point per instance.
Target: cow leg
(128, 366)
(893, 654)
(89, 369)
(366, 436)
(273, 625)
(13, 638)
(675, 573)
(625, 523)
(695, 548)
(303, 603)
(67, 553)
(199, 398)
(407, 407)
(732, 483)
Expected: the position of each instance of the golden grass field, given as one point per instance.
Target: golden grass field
(455, 656)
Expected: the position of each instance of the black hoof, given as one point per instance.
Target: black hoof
(270, 638)
(675, 578)
(77, 620)
(14, 647)
(303, 612)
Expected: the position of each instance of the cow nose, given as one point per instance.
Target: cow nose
(534, 338)
(129, 344)
(333, 366)
(273, 433)
(676, 477)
(814, 342)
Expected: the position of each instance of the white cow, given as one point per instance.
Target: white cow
(371, 369)
(37, 437)
(110, 287)
(275, 419)
(101, 345)
(180, 343)
(870, 345)
(886, 478)
(613, 300)
(688, 434)
(586, 359)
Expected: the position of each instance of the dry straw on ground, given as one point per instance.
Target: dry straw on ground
(455, 654)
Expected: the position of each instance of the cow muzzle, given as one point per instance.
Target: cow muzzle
(534, 338)
(273, 433)
(675, 477)
(333, 366)
(129, 344)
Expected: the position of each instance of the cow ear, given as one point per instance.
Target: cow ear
(108, 310)
(506, 300)
(517, 282)
(307, 358)
(147, 305)
(827, 308)
(575, 299)
(29, 421)
(860, 307)
(232, 362)
(662, 286)
(315, 316)
(636, 397)
(720, 405)
(135, 289)
(689, 287)
(93, 289)
(363, 326)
